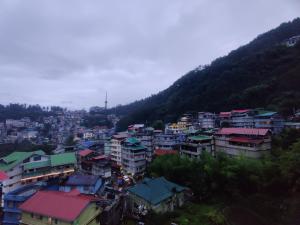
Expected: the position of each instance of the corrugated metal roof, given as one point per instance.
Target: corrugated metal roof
(155, 190)
(55, 204)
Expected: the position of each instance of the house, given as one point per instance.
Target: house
(12, 201)
(55, 207)
(133, 156)
(224, 119)
(86, 184)
(292, 41)
(292, 125)
(250, 142)
(196, 145)
(207, 120)
(157, 194)
(269, 120)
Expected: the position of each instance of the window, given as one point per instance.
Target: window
(26, 160)
(37, 158)
(10, 204)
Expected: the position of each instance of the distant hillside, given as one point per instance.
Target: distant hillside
(263, 73)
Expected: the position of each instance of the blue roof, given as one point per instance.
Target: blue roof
(82, 180)
(155, 190)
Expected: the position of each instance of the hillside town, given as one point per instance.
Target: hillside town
(102, 177)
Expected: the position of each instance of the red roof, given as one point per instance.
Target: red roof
(100, 157)
(160, 152)
(243, 131)
(225, 114)
(3, 176)
(56, 204)
(85, 152)
(246, 140)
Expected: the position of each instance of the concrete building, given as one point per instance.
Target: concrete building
(196, 145)
(146, 138)
(116, 148)
(250, 142)
(165, 141)
(133, 156)
(92, 163)
(242, 118)
(207, 120)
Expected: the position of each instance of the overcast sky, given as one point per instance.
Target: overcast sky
(69, 52)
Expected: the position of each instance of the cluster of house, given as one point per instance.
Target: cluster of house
(88, 185)
(245, 132)
(77, 188)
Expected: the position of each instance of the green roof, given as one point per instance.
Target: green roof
(266, 113)
(13, 159)
(63, 159)
(200, 138)
(155, 190)
(132, 140)
(39, 164)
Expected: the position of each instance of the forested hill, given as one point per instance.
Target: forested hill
(263, 73)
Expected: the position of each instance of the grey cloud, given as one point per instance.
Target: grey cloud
(69, 52)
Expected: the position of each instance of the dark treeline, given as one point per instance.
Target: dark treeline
(263, 73)
(34, 112)
(277, 174)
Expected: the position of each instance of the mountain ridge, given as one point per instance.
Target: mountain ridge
(263, 73)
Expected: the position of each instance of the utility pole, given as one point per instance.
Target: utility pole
(105, 101)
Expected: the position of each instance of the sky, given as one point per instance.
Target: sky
(70, 52)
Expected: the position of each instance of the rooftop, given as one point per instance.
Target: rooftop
(200, 138)
(80, 179)
(155, 190)
(85, 152)
(243, 131)
(63, 159)
(60, 205)
(10, 161)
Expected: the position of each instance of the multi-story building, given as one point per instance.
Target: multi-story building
(196, 145)
(146, 138)
(250, 142)
(92, 163)
(60, 208)
(207, 120)
(269, 120)
(133, 156)
(49, 166)
(29, 167)
(242, 118)
(165, 141)
(116, 148)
